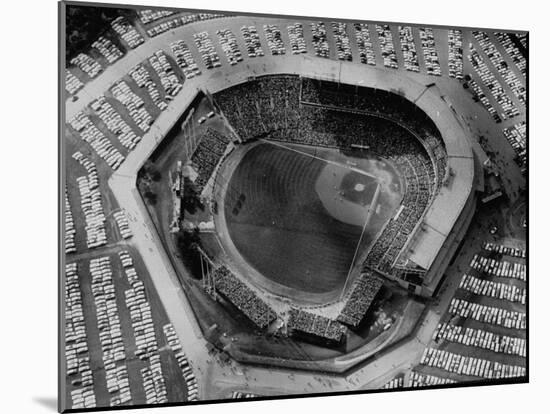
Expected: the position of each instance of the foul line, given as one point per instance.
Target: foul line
(346, 166)
(367, 220)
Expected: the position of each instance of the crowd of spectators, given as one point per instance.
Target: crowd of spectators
(500, 268)
(132, 102)
(87, 131)
(493, 289)
(364, 44)
(168, 79)
(488, 314)
(206, 48)
(252, 41)
(70, 231)
(180, 21)
(517, 137)
(501, 65)
(114, 122)
(480, 96)
(77, 355)
(319, 39)
(296, 36)
(363, 292)
(244, 298)
(110, 331)
(91, 203)
(455, 53)
(304, 322)
(482, 339)
(183, 363)
(513, 51)
(471, 366)
(408, 48)
(127, 32)
(431, 60)
(491, 83)
(185, 59)
(387, 48)
(274, 39)
(107, 49)
(341, 38)
(87, 64)
(339, 116)
(207, 155)
(228, 41)
(72, 83)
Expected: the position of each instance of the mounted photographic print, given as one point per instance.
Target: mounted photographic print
(258, 206)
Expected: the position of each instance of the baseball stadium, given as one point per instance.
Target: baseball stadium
(266, 206)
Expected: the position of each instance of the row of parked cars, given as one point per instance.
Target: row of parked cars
(127, 32)
(509, 110)
(505, 250)
(91, 203)
(492, 289)
(149, 15)
(168, 79)
(175, 346)
(319, 39)
(180, 21)
(115, 123)
(153, 382)
(110, 331)
(408, 48)
(228, 41)
(108, 49)
(76, 343)
(488, 314)
(480, 338)
(454, 42)
(417, 379)
(431, 60)
(122, 224)
(364, 44)
(206, 48)
(479, 96)
(143, 79)
(341, 38)
(185, 59)
(470, 366)
(252, 41)
(296, 36)
(387, 48)
(87, 64)
(513, 51)
(516, 135)
(72, 83)
(70, 231)
(88, 132)
(505, 71)
(500, 268)
(274, 39)
(133, 103)
(147, 348)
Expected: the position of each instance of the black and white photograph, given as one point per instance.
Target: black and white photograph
(260, 206)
